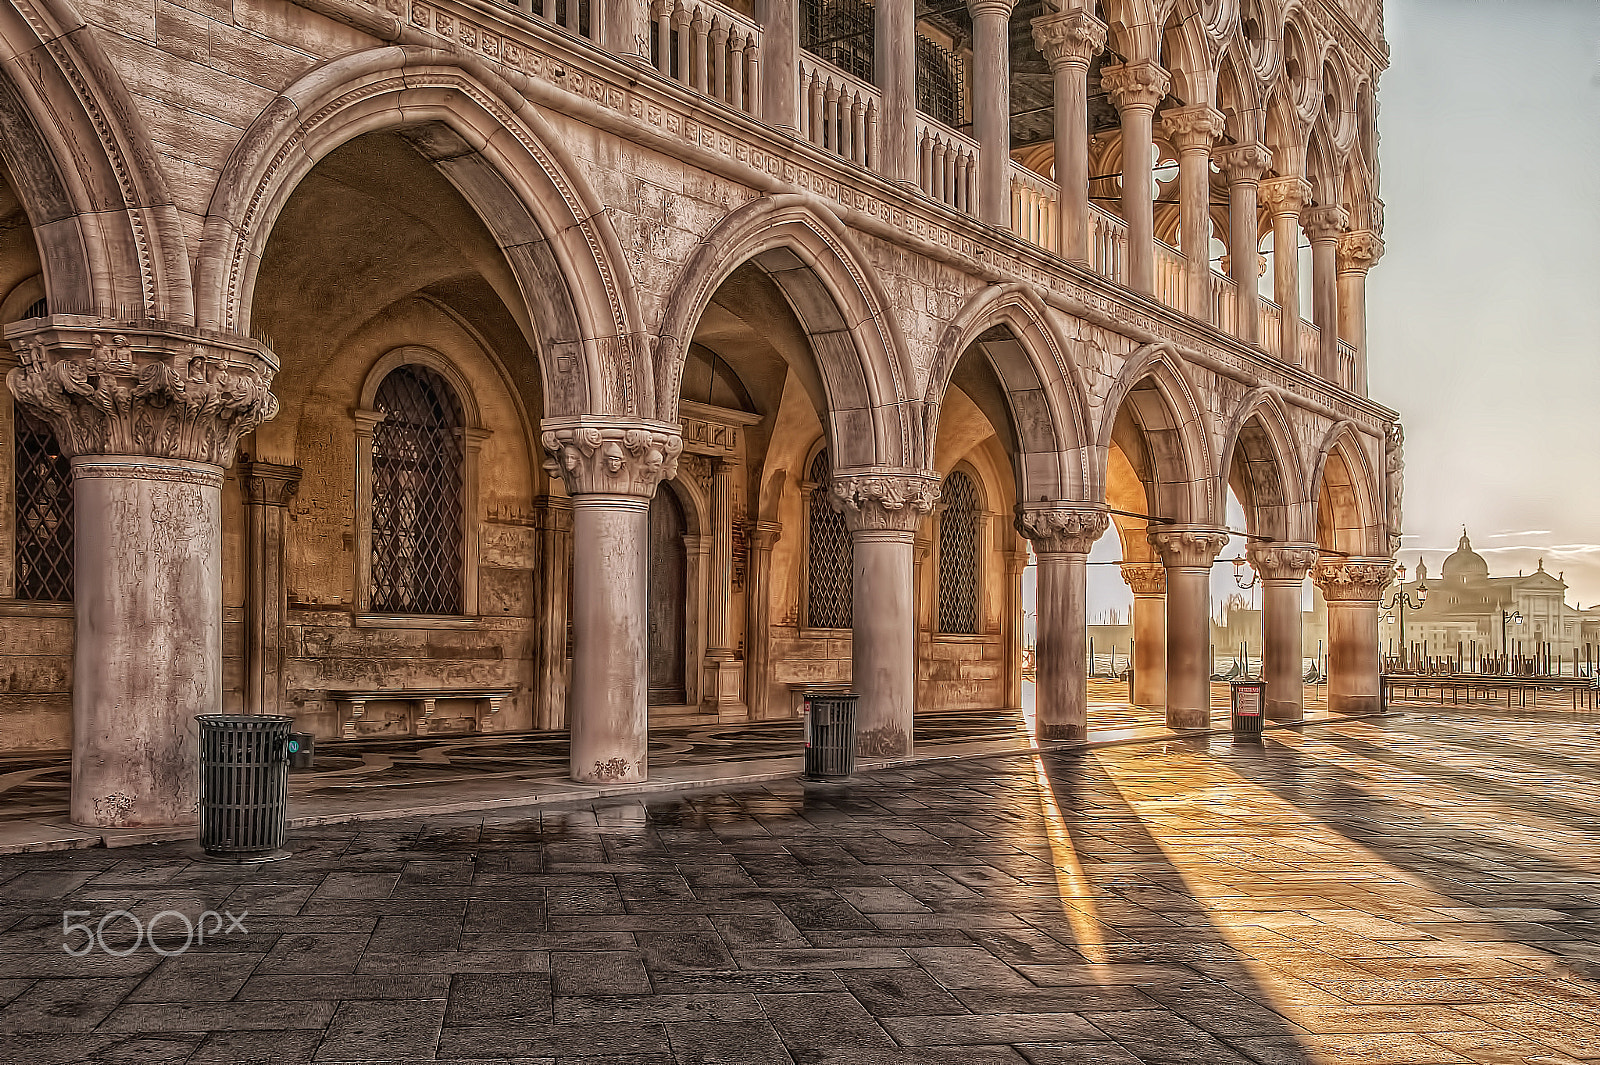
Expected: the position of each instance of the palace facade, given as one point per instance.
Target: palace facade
(453, 366)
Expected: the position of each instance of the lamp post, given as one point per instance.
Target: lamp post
(1505, 648)
(1398, 602)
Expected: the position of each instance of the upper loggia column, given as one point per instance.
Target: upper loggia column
(1187, 552)
(895, 66)
(1148, 582)
(883, 510)
(1358, 252)
(1070, 40)
(1192, 130)
(267, 490)
(623, 29)
(1282, 569)
(991, 106)
(780, 69)
(759, 537)
(1244, 164)
(1323, 225)
(722, 691)
(1062, 536)
(1353, 588)
(611, 468)
(1285, 197)
(1136, 89)
(150, 415)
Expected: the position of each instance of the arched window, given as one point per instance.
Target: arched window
(416, 495)
(958, 556)
(830, 555)
(44, 512)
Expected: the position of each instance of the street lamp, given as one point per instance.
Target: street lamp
(1402, 599)
(1505, 648)
(1238, 574)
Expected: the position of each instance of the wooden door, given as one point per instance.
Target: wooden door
(668, 599)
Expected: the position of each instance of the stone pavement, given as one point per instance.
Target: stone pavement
(1421, 888)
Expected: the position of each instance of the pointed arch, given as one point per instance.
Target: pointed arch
(866, 372)
(1261, 463)
(1187, 54)
(1344, 489)
(501, 154)
(1164, 407)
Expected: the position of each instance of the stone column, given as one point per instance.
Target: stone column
(882, 512)
(1148, 580)
(1323, 225)
(1358, 252)
(1069, 40)
(1192, 130)
(721, 691)
(1187, 552)
(1245, 164)
(1353, 588)
(1136, 89)
(895, 65)
(552, 579)
(1016, 562)
(1062, 536)
(150, 416)
(991, 107)
(611, 468)
(759, 537)
(267, 491)
(1284, 198)
(1282, 569)
(780, 43)
(623, 30)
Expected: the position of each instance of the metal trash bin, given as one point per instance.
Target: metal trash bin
(1249, 695)
(829, 720)
(244, 786)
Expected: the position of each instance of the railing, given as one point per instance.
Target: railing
(1224, 303)
(1171, 266)
(1310, 344)
(1271, 335)
(577, 17)
(1034, 203)
(1347, 366)
(710, 48)
(838, 112)
(947, 165)
(1108, 245)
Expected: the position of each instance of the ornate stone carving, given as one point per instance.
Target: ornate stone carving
(268, 483)
(1244, 162)
(149, 390)
(1188, 547)
(1394, 482)
(595, 456)
(1359, 251)
(1283, 562)
(1285, 195)
(1193, 127)
(1325, 221)
(1058, 529)
(891, 501)
(1069, 37)
(1351, 579)
(1145, 578)
(1141, 84)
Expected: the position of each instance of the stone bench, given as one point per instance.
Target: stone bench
(426, 699)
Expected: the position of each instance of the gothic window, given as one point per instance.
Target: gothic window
(416, 495)
(958, 556)
(830, 555)
(44, 512)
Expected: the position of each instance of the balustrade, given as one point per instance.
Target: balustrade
(1171, 286)
(947, 165)
(1310, 343)
(1224, 303)
(1034, 203)
(710, 48)
(1271, 335)
(577, 17)
(838, 112)
(1108, 245)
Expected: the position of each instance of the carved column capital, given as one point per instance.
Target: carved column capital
(1145, 578)
(1059, 528)
(268, 483)
(1187, 547)
(148, 389)
(1283, 562)
(1359, 251)
(1285, 195)
(996, 8)
(1353, 579)
(1325, 221)
(888, 500)
(1244, 162)
(1069, 38)
(609, 456)
(1193, 128)
(761, 535)
(1134, 85)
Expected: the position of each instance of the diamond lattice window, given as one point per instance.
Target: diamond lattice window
(828, 581)
(44, 512)
(958, 556)
(416, 495)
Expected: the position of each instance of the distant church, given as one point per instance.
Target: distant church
(1465, 605)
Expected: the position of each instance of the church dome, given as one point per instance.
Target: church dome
(1465, 564)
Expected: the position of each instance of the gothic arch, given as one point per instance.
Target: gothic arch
(1344, 488)
(1166, 409)
(866, 373)
(1260, 461)
(110, 239)
(1044, 393)
(499, 152)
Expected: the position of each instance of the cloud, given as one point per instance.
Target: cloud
(1530, 532)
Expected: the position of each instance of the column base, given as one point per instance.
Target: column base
(1188, 719)
(723, 684)
(1285, 713)
(1055, 733)
(1354, 704)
